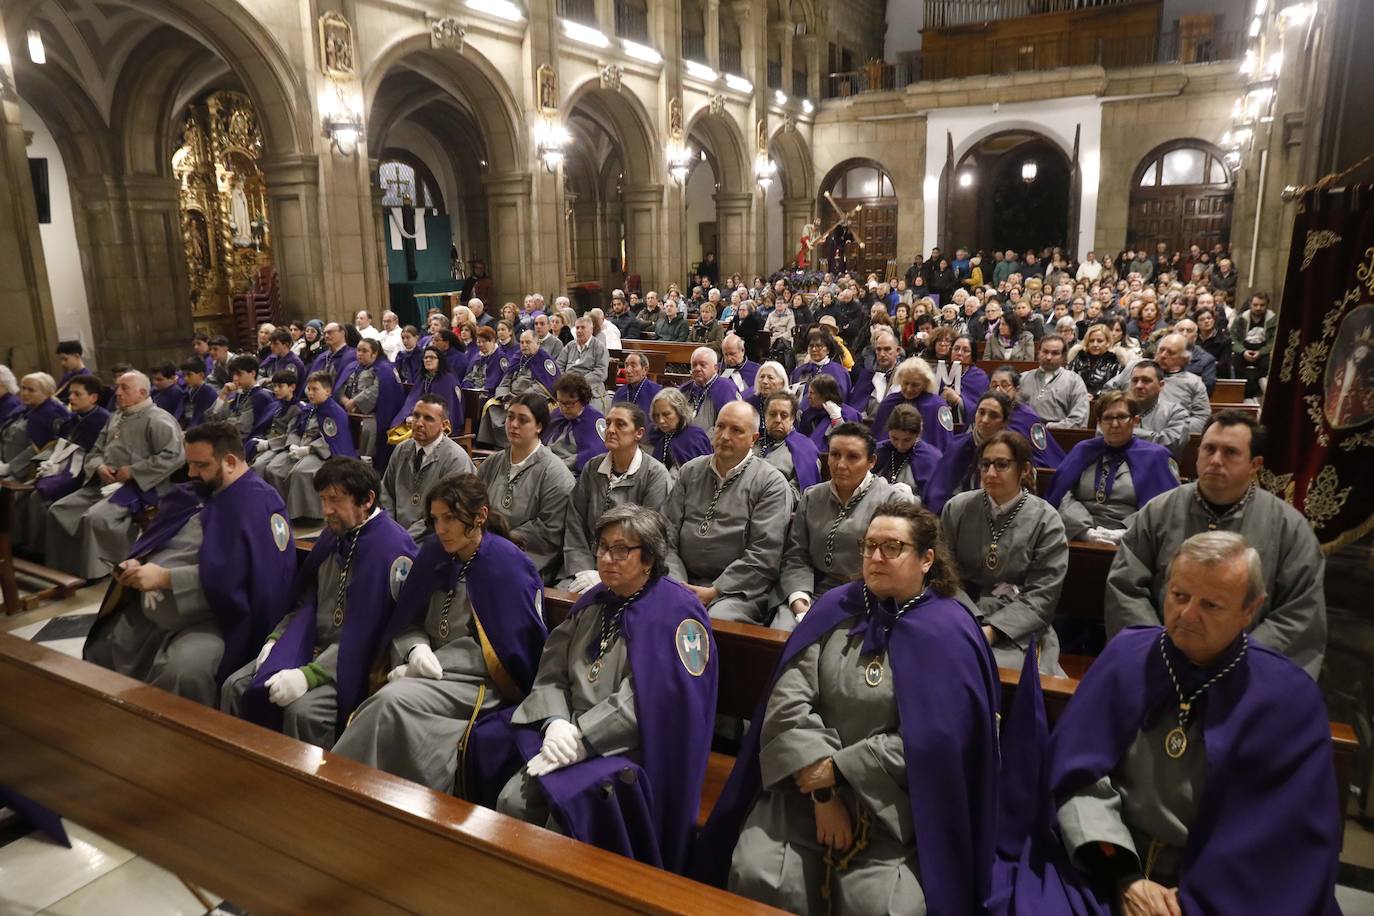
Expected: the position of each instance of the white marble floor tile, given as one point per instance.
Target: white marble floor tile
(136, 888)
(35, 872)
(1355, 903)
(29, 630)
(70, 647)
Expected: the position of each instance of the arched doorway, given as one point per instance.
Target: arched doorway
(1012, 190)
(1181, 194)
(859, 193)
(719, 196)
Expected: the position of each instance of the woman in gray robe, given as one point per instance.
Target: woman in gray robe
(1011, 551)
(360, 394)
(415, 727)
(530, 484)
(823, 541)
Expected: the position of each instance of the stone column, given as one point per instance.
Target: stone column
(713, 33)
(736, 233)
(645, 241)
(751, 42)
(293, 206)
(30, 330)
(130, 231)
(509, 221)
(605, 16)
(814, 66)
(781, 32)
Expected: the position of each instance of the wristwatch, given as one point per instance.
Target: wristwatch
(823, 795)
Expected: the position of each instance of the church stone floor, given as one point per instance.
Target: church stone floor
(99, 878)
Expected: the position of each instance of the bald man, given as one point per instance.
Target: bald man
(125, 472)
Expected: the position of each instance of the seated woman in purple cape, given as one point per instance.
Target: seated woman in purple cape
(624, 700)
(824, 412)
(1046, 451)
(915, 385)
(957, 471)
(201, 588)
(312, 671)
(433, 379)
(577, 431)
(674, 440)
(905, 457)
(465, 642)
(823, 355)
(868, 780)
(1103, 482)
(1193, 769)
(785, 448)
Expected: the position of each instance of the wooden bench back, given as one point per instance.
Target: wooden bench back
(676, 352)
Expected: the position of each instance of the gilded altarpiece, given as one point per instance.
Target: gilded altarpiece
(225, 227)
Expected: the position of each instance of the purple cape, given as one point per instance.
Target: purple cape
(247, 551)
(956, 463)
(748, 371)
(1147, 461)
(588, 432)
(384, 553)
(643, 394)
(653, 815)
(815, 423)
(265, 409)
(457, 361)
(341, 439)
(10, 406)
(340, 364)
(45, 819)
(932, 430)
(83, 430)
(501, 585)
(833, 369)
(863, 389)
(274, 364)
(197, 402)
(410, 364)
(542, 368)
(43, 424)
(1024, 420)
(1268, 823)
(806, 460)
(924, 458)
(66, 380)
(972, 384)
(445, 385)
(391, 394)
(687, 443)
(948, 714)
(721, 391)
(171, 399)
(491, 370)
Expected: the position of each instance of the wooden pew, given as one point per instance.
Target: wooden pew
(658, 359)
(1229, 391)
(278, 826)
(992, 365)
(675, 351)
(55, 583)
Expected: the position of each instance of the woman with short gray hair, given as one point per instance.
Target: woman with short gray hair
(673, 439)
(9, 394)
(27, 434)
(626, 688)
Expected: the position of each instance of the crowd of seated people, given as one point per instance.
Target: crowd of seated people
(886, 514)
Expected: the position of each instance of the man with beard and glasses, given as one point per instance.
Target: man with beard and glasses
(200, 589)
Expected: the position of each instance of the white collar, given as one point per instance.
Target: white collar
(514, 466)
(1000, 509)
(606, 466)
(736, 470)
(427, 449)
(868, 477)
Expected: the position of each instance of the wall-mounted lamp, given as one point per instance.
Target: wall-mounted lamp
(1029, 170)
(36, 52)
(679, 161)
(764, 171)
(343, 124)
(550, 141)
(966, 179)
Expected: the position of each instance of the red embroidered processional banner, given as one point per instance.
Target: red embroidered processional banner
(1319, 406)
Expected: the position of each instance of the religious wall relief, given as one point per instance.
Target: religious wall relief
(225, 227)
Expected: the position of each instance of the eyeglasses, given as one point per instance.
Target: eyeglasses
(1116, 419)
(1000, 464)
(617, 552)
(890, 550)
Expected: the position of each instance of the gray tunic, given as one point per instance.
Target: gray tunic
(1148, 798)
(312, 717)
(535, 503)
(821, 707)
(1080, 509)
(646, 483)
(19, 453)
(413, 725)
(403, 490)
(84, 526)
(277, 436)
(513, 384)
(294, 478)
(604, 709)
(1167, 424)
(1292, 619)
(236, 410)
(1188, 390)
(1032, 555)
(1060, 398)
(740, 554)
(592, 363)
(362, 386)
(780, 457)
(552, 346)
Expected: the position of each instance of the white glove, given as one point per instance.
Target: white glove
(260, 444)
(1105, 535)
(286, 687)
(110, 489)
(152, 599)
(834, 411)
(299, 451)
(262, 656)
(422, 663)
(395, 674)
(46, 469)
(562, 747)
(4, 468)
(585, 581)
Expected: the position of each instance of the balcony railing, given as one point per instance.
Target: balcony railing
(730, 59)
(631, 21)
(694, 46)
(774, 75)
(1017, 56)
(941, 14)
(583, 11)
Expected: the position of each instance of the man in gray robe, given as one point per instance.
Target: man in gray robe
(626, 474)
(1162, 420)
(418, 463)
(727, 521)
(1226, 497)
(533, 494)
(1180, 386)
(548, 342)
(141, 445)
(587, 356)
(1056, 394)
